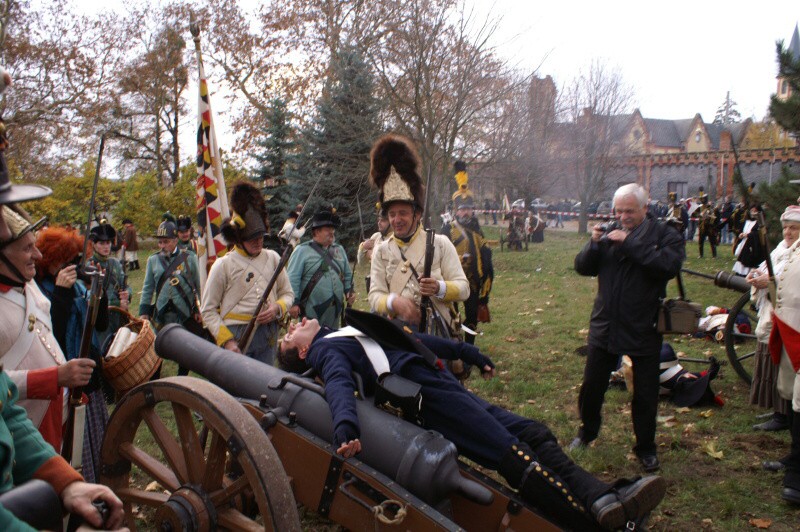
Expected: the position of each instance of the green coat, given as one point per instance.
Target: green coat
(326, 301)
(177, 300)
(114, 283)
(22, 449)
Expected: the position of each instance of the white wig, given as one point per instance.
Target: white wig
(632, 189)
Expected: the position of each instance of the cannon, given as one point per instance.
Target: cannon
(253, 440)
(739, 346)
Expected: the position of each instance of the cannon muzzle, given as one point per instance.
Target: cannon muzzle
(724, 279)
(422, 461)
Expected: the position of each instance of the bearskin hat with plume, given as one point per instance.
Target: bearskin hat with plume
(248, 217)
(394, 156)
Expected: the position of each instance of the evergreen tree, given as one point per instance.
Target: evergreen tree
(274, 170)
(337, 145)
(786, 113)
(727, 112)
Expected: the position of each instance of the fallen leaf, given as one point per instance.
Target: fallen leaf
(554, 352)
(681, 354)
(539, 310)
(688, 429)
(683, 410)
(536, 322)
(153, 486)
(707, 413)
(531, 402)
(708, 352)
(510, 339)
(710, 448)
(707, 522)
(583, 331)
(523, 313)
(761, 523)
(668, 421)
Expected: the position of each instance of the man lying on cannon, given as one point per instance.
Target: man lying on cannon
(522, 450)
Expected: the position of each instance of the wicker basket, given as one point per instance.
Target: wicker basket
(137, 363)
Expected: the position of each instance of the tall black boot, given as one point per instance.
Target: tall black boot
(541, 488)
(791, 480)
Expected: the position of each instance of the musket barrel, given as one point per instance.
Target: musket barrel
(422, 461)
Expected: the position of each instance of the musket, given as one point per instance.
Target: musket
(72, 448)
(244, 340)
(425, 305)
(762, 236)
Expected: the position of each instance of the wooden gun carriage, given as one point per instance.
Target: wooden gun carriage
(740, 347)
(253, 441)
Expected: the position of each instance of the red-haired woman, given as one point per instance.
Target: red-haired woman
(58, 275)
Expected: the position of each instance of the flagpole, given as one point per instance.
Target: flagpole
(212, 197)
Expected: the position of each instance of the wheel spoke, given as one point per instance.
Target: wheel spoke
(230, 491)
(215, 463)
(166, 441)
(148, 498)
(236, 520)
(190, 443)
(150, 466)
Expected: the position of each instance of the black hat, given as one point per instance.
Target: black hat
(167, 229)
(685, 388)
(462, 198)
(248, 217)
(102, 232)
(184, 223)
(394, 170)
(325, 217)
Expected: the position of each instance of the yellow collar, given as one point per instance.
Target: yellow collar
(400, 242)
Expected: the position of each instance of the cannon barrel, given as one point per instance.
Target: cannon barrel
(723, 280)
(422, 461)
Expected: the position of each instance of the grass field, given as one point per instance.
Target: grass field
(710, 456)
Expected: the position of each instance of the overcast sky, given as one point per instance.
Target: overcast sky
(681, 57)
(679, 61)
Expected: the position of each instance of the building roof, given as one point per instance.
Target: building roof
(664, 132)
(794, 45)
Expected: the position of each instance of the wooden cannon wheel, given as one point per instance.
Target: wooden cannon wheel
(214, 460)
(741, 347)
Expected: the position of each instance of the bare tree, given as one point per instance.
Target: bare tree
(61, 67)
(597, 109)
(284, 50)
(518, 154)
(442, 82)
(151, 103)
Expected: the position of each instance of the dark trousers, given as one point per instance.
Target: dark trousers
(712, 240)
(599, 365)
(471, 315)
(484, 432)
(792, 477)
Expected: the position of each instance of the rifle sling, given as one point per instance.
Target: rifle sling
(176, 262)
(325, 254)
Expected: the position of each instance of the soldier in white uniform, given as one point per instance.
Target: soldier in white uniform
(397, 271)
(237, 281)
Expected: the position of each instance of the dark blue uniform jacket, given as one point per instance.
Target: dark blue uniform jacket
(335, 359)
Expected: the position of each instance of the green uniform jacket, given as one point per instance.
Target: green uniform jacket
(326, 301)
(113, 285)
(177, 300)
(22, 449)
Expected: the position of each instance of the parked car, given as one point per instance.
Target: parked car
(538, 204)
(605, 208)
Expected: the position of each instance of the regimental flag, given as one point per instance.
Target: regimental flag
(506, 203)
(212, 199)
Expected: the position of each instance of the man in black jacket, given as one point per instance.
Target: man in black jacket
(632, 264)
